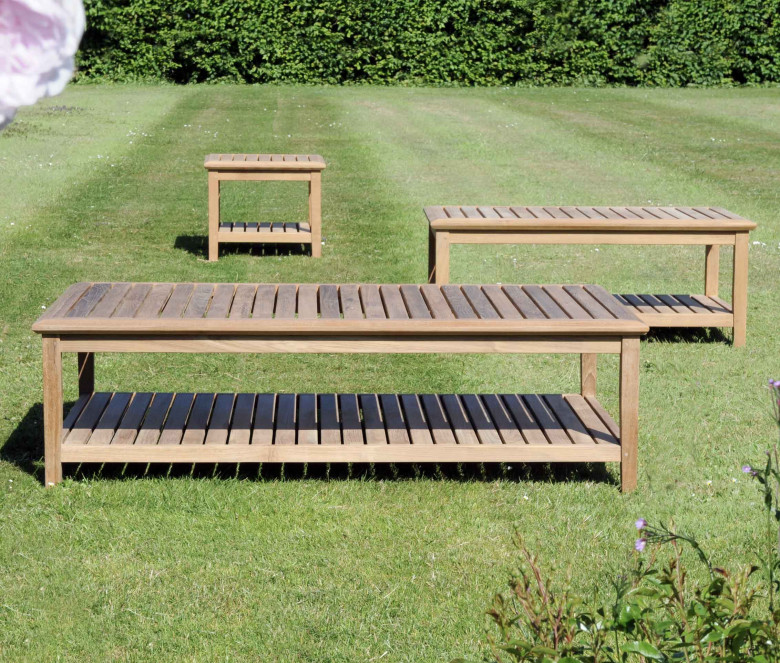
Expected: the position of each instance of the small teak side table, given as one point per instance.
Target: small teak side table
(258, 168)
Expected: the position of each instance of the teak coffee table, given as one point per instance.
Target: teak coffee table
(126, 427)
(711, 227)
(259, 168)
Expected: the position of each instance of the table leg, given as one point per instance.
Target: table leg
(86, 364)
(213, 216)
(588, 371)
(711, 269)
(431, 256)
(442, 259)
(52, 409)
(629, 412)
(315, 213)
(739, 289)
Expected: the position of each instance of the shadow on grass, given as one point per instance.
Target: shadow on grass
(24, 449)
(687, 335)
(197, 245)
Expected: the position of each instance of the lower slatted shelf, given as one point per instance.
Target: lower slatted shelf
(287, 232)
(680, 310)
(225, 427)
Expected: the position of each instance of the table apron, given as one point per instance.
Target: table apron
(259, 175)
(587, 237)
(596, 344)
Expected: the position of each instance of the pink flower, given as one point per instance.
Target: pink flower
(38, 39)
(640, 544)
(641, 524)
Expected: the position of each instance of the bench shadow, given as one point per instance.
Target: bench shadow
(687, 335)
(197, 245)
(24, 450)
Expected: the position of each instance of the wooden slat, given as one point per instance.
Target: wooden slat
(506, 309)
(394, 422)
(221, 301)
(372, 302)
(479, 420)
(394, 303)
(524, 419)
(307, 419)
(286, 296)
(131, 421)
(464, 433)
(545, 302)
(155, 300)
(221, 415)
(178, 300)
(197, 422)
(330, 428)
(415, 304)
(657, 304)
(609, 302)
(350, 302)
(501, 420)
(575, 429)
(242, 301)
(107, 305)
(415, 420)
(596, 428)
(285, 419)
(571, 306)
(265, 299)
(241, 425)
(436, 302)
(199, 301)
(351, 427)
(87, 420)
(553, 430)
(173, 429)
(458, 302)
(588, 302)
(132, 301)
(437, 420)
(372, 419)
(693, 304)
(109, 420)
(149, 432)
(479, 302)
(88, 300)
(263, 421)
(527, 307)
(65, 301)
(329, 302)
(307, 301)
(637, 302)
(711, 305)
(74, 412)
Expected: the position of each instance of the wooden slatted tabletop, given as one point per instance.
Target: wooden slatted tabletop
(256, 309)
(260, 161)
(661, 219)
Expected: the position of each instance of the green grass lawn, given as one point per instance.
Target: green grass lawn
(361, 563)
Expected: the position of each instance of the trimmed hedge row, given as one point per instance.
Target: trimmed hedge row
(439, 42)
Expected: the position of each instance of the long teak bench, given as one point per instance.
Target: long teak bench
(264, 168)
(309, 318)
(711, 227)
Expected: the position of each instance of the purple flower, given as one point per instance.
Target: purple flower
(640, 544)
(748, 470)
(641, 524)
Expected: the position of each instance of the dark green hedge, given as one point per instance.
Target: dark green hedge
(465, 42)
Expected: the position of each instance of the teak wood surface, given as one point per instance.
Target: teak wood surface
(350, 318)
(260, 168)
(711, 227)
